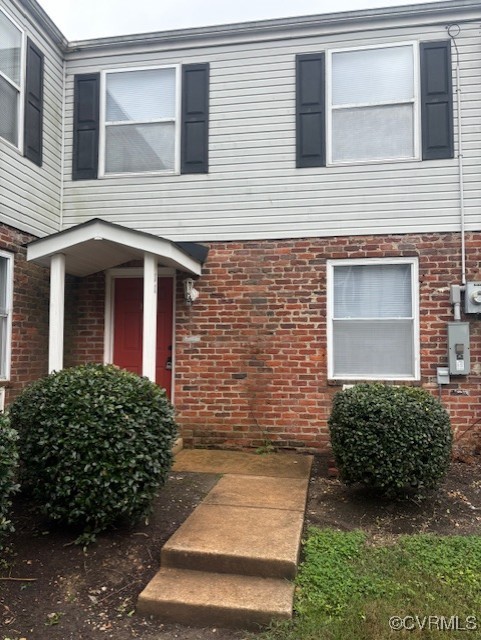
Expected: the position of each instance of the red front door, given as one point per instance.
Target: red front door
(128, 322)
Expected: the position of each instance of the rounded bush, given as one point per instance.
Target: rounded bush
(8, 467)
(394, 439)
(95, 444)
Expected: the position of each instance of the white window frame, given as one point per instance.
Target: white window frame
(331, 264)
(415, 100)
(104, 123)
(9, 313)
(18, 87)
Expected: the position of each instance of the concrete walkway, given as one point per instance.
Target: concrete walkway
(230, 563)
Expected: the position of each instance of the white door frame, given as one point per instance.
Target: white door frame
(135, 272)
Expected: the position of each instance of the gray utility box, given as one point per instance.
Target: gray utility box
(472, 297)
(459, 352)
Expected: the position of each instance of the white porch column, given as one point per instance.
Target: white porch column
(149, 346)
(57, 312)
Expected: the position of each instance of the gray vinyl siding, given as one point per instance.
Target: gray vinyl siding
(253, 189)
(30, 196)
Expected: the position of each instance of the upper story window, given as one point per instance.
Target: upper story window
(373, 319)
(11, 41)
(141, 121)
(386, 103)
(373, 104)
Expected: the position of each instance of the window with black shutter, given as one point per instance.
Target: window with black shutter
(377, 103)
(437, 100)
(33, 134)
(310, 111)
(195, 118)
(86, 126)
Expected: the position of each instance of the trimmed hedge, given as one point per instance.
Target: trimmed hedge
(8, 467)
(395, 439)
(95, 444)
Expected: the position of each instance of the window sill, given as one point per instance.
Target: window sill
(339, 382)
(357, 163)
(142, 174)
(10, 145)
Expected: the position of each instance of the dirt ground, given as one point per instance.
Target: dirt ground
(72, 594)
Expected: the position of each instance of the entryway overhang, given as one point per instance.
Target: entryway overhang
(96, 246)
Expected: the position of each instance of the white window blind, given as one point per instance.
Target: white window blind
(372, 104)
(10, 78)
(5, 312)
(373, 331)
(140, 121)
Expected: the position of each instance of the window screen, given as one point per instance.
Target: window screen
(373, 104)
(140, 121)
(10, 78)
(5, 312)
(373, 321)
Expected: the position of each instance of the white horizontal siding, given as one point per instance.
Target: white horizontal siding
(30, 195)
(253, 189)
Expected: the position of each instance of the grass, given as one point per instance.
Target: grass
(348, 587)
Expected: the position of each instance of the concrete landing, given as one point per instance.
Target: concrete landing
(278, 465)
(229, 563)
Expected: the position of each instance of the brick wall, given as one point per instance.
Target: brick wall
(30, 314)
(251, 360)
(84, 319)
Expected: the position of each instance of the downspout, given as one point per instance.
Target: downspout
(453, 31)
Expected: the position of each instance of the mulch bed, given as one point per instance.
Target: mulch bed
(88, 595)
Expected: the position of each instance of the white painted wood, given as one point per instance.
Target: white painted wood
(30, 195)
(253, 189)
(57, 312)
(98, 246)
(8, 317)
(149, 339)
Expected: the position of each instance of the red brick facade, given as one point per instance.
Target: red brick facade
(251, 352)
(257, 370)
(30, 314)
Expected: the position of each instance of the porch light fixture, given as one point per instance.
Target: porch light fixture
(190, 292)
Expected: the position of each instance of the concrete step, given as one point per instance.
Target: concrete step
(204, 599)
(242, 540)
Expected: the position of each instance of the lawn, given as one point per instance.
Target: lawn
(350, 586)
(365, 560)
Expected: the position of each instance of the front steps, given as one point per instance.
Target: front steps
(230, 563)
(201, 599)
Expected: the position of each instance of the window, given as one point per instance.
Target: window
(373, 319)
(141, 121)
(373, 104)
(6, 287)
(11, 39)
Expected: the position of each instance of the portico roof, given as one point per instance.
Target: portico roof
(97, 245)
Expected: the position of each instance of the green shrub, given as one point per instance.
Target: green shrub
(8, 466)
(394, 439)
(95, 444)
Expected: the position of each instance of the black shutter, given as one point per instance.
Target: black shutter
(86, 126)
(195, 118)
(33, 131)
(437, 100)
(310, 111)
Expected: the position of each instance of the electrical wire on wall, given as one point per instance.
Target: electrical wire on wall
(454, 31)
